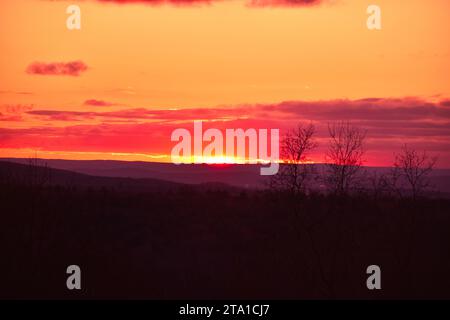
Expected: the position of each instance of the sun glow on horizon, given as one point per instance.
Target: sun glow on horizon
(130, 156)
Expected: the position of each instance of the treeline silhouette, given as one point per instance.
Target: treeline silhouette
(214, 242)
(344, 173)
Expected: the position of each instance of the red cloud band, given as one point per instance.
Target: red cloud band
(391, 122)
(73, 68)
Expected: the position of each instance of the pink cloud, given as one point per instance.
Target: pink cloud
(73, 68)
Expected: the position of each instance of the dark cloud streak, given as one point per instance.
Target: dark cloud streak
(72, 68)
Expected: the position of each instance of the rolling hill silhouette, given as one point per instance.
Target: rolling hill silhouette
(23, 174)
(241, 176)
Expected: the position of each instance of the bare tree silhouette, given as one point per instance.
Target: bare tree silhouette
(294, 173)
(411, 171)
(344, 157)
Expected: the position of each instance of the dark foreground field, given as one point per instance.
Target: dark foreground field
(209, 243)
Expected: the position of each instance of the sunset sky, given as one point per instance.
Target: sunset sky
(118, 87)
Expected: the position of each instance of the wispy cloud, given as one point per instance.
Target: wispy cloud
(16, 92)
(14, 113)
(98, 103)
(73, 68)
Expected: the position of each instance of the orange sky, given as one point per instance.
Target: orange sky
(226, 54)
